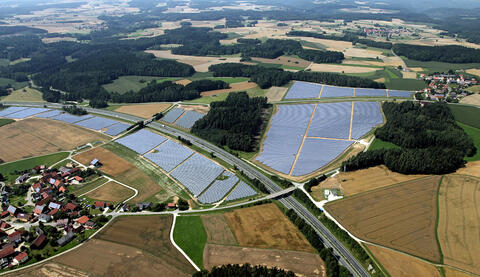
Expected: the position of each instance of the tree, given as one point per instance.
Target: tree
(182, 205)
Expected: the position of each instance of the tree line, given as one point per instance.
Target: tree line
(244, 270)
(267, 77)
(430, 141)
(234, 122)
(447, 53)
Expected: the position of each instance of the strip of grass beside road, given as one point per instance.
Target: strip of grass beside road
(8, 169)
(190, 235)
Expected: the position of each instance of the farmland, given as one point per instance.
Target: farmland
(474, 133)
(143, 110)
(8, 169)
(218, 230)
(32, 137)
(132, 83)
(5, 121)
(401, 216)
(466, 114)
(459, 223)
(192, 242)
(25, 95)
(473, 99)
(111, 192)
(233, 87)
(471, 168)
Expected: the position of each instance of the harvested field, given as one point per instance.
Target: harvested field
(474, 71)
(401, 216)
(143, 110)
(459, 222)
(197, 108)
(302, 263)
(283, 60)
(473, 99)
(122, 170)
(111, 192)
(276, 93)
(362, 53)
(25, 95)
(33, 137)
(151, 234)
(331, 45)
(218, 231)
(363, 180)
(471, 168)
(233, 87)
(183, 82)
(409, 75)
(265, 226)
(49, 270)
(449, 272)
(416, 69)
(341, 68)
(401, 265)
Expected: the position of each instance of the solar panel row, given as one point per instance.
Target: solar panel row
(11, 110)
(141, 141)
(331, 120)
(96, 123)
(219, 188)
(366, 115)
(68, 118)
(188, 119)
(27, 113)
(48, 114)
(173, 115)
(241, 191)
(301, 90)
(116, 129)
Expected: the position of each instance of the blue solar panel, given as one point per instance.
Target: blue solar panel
(317, 153)
(169, 154)
(68, 118)
(141, 141)
(399, 93)
(301, 90)
(370, 92)
(96, 123)
(48, 114)
(366, 115)
(219, 188)
(329, 91)
(172, 115)
(11, 110)
(27, 113)
(241, 191)
(285, 136)
(116, 129)
(331, 120)
(196, 173)
(188, 119)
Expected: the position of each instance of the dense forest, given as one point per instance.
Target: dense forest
(447, 53)
(353, 38)
(245, 270)
(430, 141)
(267, 77)
(234, 123)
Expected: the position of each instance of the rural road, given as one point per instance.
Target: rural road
(345, 257)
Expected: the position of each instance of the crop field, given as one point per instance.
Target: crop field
(111, 192)
(473, 99)
(474, 133)
(466, 114)
(240, 86)
(122, 170)
(142, 141)
(33, 137)
(275, 93)
(401, 265)
(169, 155)
(8, 169)
(471, 168)
(87, 186)
(242, 190)
(218, 230)
(401, 216)
(219, 188)
(302, 263)
(284, 60)
(24, 95)
(304, 138)
(143, 110)
(125, 84)
(48, 270)
(265, 226)
(459, 223)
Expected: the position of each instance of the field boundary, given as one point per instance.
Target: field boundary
(438, 220)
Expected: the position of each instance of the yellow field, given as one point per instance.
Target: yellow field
(459, 222)
(471, 168)
(111, 192)
(340, 68)
(276, 93)
(409, 75)
(25, 95)
(473, 99)
(474, 71)
(143, 110)
(449, 272)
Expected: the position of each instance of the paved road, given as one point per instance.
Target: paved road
(345, 257)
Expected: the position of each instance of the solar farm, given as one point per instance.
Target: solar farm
(304, 138)
(182, 118)
(303, 90)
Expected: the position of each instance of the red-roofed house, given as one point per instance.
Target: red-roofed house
(39, 241)
(8, 251)
(53, 212)
(100, 204)
(62, 189)
(78, 178)
(58, 183)
(20, 258)
(70, 207)
(15, 237)
(83, 219)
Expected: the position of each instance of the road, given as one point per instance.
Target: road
(345, 257)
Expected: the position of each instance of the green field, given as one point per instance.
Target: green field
(189, 234)
(13, 83)
(474, 133)
(381, 144)
(469, 115)
(253, 92)
(8, 169)
(405, 84)
(430, 67)
(393, 79)
(135, 83)
(5, 121)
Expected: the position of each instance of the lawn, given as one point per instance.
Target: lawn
(474, 89)
(8, 169)
(474, 133)
(466, 114)
(5, 121)
(189, 234)
(380, 144)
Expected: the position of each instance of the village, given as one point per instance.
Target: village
(445, 87)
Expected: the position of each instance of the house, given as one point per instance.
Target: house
(53, 205)
(70, 207)
(6, 252)
(53, 212)
(125, 208)
(4, 214)
(83, 219)
(36, 187)
(39, 209)
(15, 237)
(78, 178)
(100, 204)
(62, 189)
(62, 223)
(95, 162)
(66, 239)
(12, 210)
(24, 217)
(22, 179)
(20, 258)
(3, 235)
(4, 225)
(39, 241)
(89, 224)
(171, 205)
(44, 218)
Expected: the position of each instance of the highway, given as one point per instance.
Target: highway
(345, 257)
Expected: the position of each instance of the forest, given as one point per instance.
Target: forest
(235, 122)
(447, 53)
(267, 77)
(430, 141)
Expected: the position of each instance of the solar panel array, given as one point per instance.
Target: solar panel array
(285, 136)
(399, 93)
(48, 114)
(141, 141)
(317, 153)
(96, 123)
(27, 113)
(301, 90)
(188, 119)
(172, 115)
(197, 173)
(219, 188)
(169, 155)
(11, 110)
(329, 91)
(116, 129)
(241, 191)
(370, 92)
(68, 118)
(331, 120)
(366, 115)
